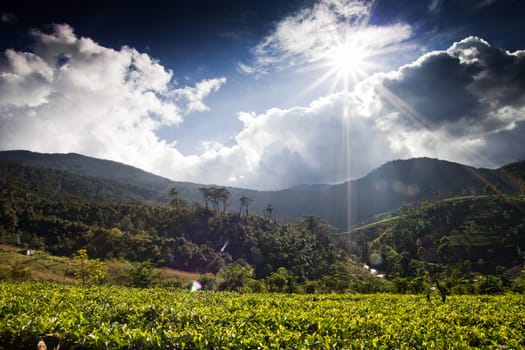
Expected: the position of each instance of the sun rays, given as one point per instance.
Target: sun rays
(347, 62)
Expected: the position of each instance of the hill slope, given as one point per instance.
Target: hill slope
(478, 233)
(88, 166)
(58, 183)
(191, 239)
(342, 205)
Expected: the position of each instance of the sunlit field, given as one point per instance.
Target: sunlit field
(125, 318)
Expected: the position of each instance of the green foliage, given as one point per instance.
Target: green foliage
(338, 280)
(235, 276)
(487, 231)
(54, 183)
(126, 318)
(208, 281)
(518, 285)
(38, 211)
(177, 202)
(190, 239)
(281, 280)
(89, 270)
(141, 274)
(490, 285)
(384, 189)
(417, 285)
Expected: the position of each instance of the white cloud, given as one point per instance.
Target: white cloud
(26, 83)
(455, 104)
(327, 141)
(73, 95)
(193, 96)
(304, 38)
(246, 69)
(435, 6)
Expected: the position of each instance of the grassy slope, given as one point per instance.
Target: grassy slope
(15, 264)
(42, 267)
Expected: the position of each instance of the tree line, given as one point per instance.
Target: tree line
(199, 238)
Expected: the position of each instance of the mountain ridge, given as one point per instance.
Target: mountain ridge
(343, 205)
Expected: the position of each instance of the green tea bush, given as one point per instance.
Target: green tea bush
(101, 317)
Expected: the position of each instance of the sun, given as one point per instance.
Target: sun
(344, 63)
(347, 60)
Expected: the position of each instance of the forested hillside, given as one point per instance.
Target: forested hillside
(58, 183)
(342, 205)
(63, 213)
(191, 238)
(474, 233)
(88, 166)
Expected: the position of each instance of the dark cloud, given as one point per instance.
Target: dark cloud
(506, 146)
(434, 88)
(502, 74)
(470, 88)
(463, 104)
(8, 17)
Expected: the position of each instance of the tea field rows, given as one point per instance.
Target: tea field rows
(125, 318)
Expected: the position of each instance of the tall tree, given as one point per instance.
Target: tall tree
(245, 203)
(268, 211)
(176, 201)
(216, 196)
(90, 270)
(311, 222)
(223, 195)
(206, 194)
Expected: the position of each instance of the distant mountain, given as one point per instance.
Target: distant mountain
(57, 184)
(516, 171)
(88, 166)
(389, 187)
(342, 205)
(409, 181)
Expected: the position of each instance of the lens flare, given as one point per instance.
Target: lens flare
(195, 286)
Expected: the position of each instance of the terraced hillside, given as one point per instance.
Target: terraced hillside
(481, 232)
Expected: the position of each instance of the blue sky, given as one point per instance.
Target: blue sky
(265, 94)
